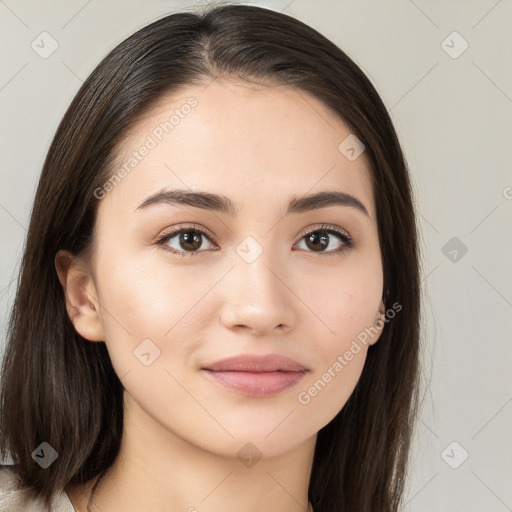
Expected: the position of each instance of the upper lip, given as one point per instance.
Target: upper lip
(256, 363)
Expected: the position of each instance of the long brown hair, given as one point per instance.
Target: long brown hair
(59, 388)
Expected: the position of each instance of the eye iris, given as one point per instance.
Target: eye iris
(313, 239)
(190, 240)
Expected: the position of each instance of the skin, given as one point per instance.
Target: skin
(259, 146)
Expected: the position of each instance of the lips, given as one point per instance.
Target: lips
(256, 376)
(255, 363)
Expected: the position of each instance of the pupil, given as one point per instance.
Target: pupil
(190, 241)
(315, 238)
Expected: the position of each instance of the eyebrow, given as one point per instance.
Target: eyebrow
(222, 204)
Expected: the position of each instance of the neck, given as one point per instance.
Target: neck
(157, 470)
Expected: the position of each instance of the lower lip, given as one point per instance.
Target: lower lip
(257, 384)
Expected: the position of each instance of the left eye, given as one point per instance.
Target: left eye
(319, 239)
(191, 240)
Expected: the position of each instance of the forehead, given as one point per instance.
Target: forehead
(253, 143)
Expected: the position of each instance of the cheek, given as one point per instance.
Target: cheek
(346, 308)
(141, 301)
(345, 299)
(341, 356)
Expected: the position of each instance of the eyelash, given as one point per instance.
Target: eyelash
(347, 240)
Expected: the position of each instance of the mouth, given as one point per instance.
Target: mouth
(256, 376)
(256, 384)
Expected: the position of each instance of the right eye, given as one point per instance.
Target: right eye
(190, 239)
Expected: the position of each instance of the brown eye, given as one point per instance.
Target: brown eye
(188, 240)
(320, 239)
(316, 241)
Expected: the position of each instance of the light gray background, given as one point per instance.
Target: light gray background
(453, 116)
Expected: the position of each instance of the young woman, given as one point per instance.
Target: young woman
(218, 307)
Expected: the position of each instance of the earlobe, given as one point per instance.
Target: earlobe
(80, 295)
(379, 323)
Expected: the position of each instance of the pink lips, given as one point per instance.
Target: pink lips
(257, 376)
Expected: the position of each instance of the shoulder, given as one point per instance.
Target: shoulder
(16, 498)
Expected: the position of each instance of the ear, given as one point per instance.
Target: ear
(82, 302)
(379, 323)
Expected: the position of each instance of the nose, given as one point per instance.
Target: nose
(259, 298)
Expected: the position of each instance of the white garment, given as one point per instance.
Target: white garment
(15, 498)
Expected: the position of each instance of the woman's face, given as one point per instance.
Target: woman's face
(257, 283)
